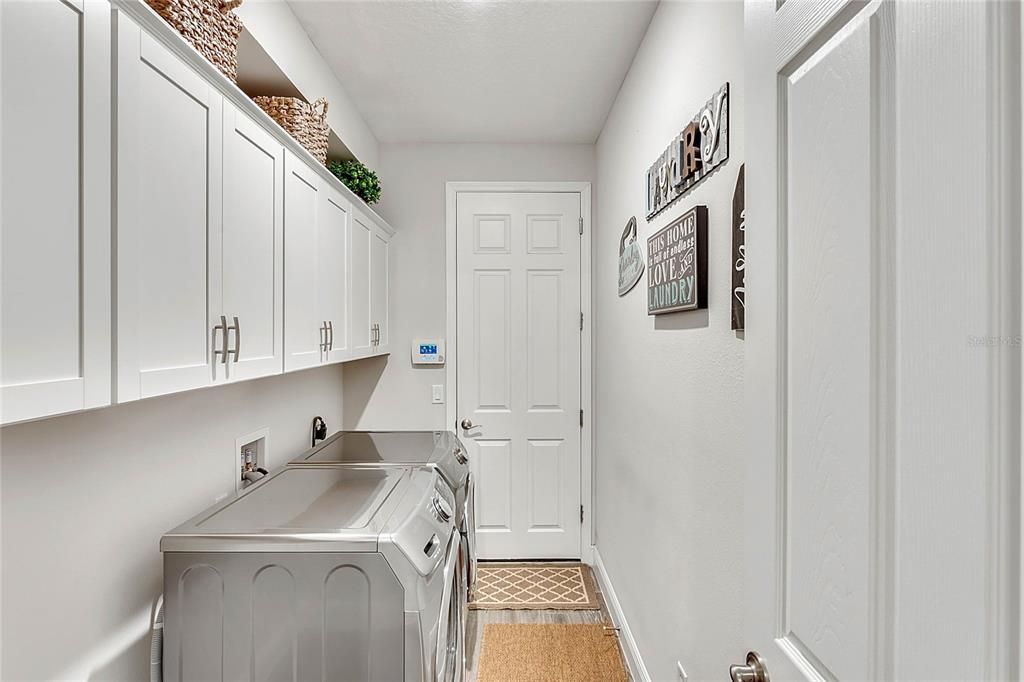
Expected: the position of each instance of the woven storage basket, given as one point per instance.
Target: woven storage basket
(209, 25)
(307, 123)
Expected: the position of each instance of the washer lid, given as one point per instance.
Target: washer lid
(326, 509)
(373, 447)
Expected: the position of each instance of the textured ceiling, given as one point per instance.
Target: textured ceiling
(479, 71)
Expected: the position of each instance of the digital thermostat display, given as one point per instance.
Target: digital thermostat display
(428, 351)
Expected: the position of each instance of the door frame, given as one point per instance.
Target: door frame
(452, 190)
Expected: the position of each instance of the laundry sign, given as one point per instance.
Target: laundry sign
(702, 146)
(631, 258)
(677, 264)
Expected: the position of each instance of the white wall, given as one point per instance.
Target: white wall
(278, 31)
(390, 392)
(86, 497)
(669, 393)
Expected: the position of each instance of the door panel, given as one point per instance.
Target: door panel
(379, 287)
(169, 219)
(880, 438)
(333, 271)
(519, 368)
(303, 323)
(253, 245)
(359, 320)
(55, 289)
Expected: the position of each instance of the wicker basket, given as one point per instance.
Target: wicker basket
(307, 123)
(209, 25)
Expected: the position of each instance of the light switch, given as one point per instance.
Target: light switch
(437, 394)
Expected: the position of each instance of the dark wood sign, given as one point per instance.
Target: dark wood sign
(702, 146)
(631, 258)
(677, 264)
(739, 254)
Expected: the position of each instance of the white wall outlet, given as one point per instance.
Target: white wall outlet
(437, 394)
(681, 672)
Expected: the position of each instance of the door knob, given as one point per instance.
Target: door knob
(467, 424)
(753, 671)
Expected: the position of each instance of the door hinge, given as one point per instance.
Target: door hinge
(581, 513)
(581, 224)
(581, 321)
(581, 419)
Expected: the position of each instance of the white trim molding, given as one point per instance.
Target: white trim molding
(452, 190)
(630, 651)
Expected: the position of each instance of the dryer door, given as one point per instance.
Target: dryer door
(448, 665)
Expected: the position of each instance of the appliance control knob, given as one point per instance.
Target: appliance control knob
(460, 455)
(442, 508)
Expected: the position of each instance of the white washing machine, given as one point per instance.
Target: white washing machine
(331, 573)
(440, 450)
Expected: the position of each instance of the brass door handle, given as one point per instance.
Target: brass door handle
(753, 671)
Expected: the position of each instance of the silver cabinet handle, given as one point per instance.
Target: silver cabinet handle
(323, 336)
(238, 338)
(330, 332)
(223, 352)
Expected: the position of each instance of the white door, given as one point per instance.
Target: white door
(360, 337)
(304, 328)
(379, 289)
(518, 372)
(55, 194)
(882, 345)
(169, 193)
(253, 246)
(332, 284)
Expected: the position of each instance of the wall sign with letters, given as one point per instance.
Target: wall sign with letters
(702, 146)
(677, 264)
(739, 254)
(631, 258)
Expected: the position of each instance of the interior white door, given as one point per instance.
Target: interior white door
(332, 284)
(304, 327)
(359, 285)
(879, 486)
(379, 288)
(55, 198)
(253, 248)
(169, 192)
(518, 371)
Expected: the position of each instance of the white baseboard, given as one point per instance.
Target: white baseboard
(637, 670)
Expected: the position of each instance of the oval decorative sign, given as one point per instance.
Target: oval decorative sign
(631, 260)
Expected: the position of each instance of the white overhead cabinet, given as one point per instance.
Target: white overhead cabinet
(253, 252)
(370, 295)
(317, 286)
(55, 198)
(169, 221)
(236, 255)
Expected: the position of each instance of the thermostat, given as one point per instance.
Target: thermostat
(428, 352)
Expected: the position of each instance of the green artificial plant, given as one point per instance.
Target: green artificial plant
(358, 178)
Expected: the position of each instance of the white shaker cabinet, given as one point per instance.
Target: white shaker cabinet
(253, 249)
(55, 198)
(379, 271)
(370, 261)
(169, 221)
(316, 285)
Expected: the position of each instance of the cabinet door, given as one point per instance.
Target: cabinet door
(168, 220)
(332, 271)
(304, 333)
(253, 247)
(379, 287)
(359, 286)
(55, 198)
